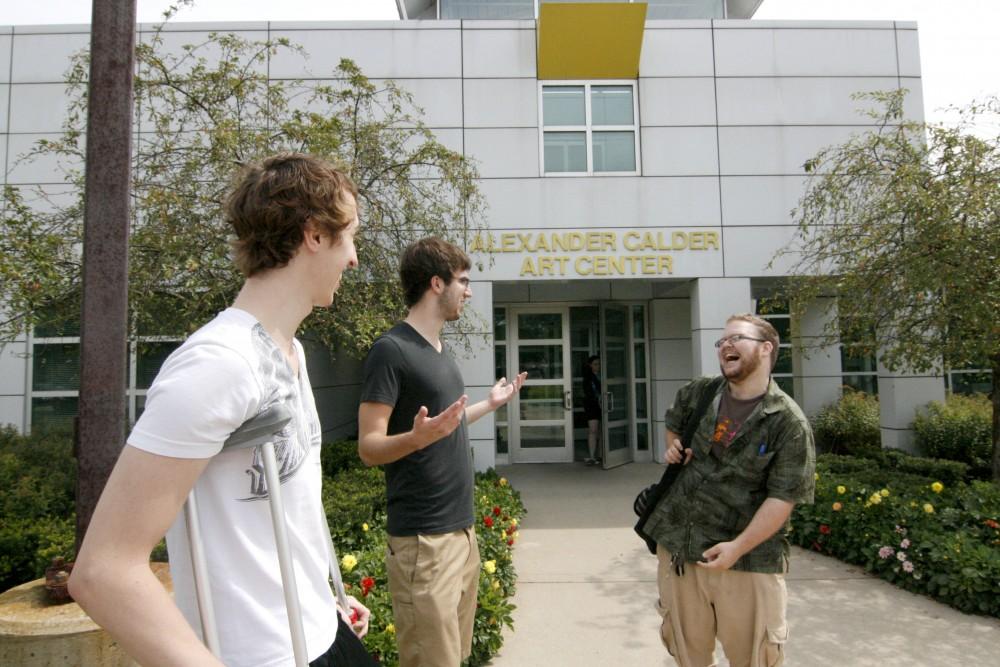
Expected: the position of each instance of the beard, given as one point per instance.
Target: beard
(450, 309)
(744, 369)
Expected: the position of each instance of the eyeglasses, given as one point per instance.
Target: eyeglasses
(736, 338)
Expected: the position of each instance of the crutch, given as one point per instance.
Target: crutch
(256, 432)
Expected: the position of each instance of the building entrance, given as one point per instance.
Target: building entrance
(546, 423)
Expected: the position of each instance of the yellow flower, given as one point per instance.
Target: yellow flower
(841, 490)
(837, 507)
(364, 527)
(495, 584)
(348, 562)
(875, 499)
(490, 566)
(391, 629)
(816, 476)
(885, 493)
(515, 535)
(513, 522)
(937, 487)
(928, 508)
(503, 481)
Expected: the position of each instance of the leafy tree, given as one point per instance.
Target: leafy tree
(202, 111)
(902, 223)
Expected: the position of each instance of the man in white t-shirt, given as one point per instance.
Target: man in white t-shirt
(294, 218)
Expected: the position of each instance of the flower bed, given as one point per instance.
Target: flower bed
(914, 531)
(355, 502)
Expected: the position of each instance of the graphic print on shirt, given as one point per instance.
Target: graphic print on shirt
(291, 445)
(725, 430)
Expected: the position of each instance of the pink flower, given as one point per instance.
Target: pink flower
(907, 566)
(886, 552)
(901, 556)
(905, 544)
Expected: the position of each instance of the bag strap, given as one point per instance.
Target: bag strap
(707, 396)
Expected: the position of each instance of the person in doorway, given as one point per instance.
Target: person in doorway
(722, 545)
(414, 420)
(592, 407)
(295, 218)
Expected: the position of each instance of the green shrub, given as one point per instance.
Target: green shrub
(918, 533)
(960, 429)
(351, 499)
(849, 426)
(947, 472)
(340, 455)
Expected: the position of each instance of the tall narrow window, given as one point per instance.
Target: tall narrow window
(589, 128)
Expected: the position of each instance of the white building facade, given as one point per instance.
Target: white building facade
(630, 210)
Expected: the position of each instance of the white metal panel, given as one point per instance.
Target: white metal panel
(382, 53)
(12, 411)
(45, 58)
(38, 170)
(6, 39)
(672, 359)
(796, 101)
(671, 318)
(501, 103)
(908, 48)
(751, 150)
(756, 247)
(13, 369)
(676, 53)
(37, 107)
(503, 152)
(760, 200)
(677, 101)
(440, 99)
(183, 34)
(913, 105)
(791, 52)
(499, 54)
(680, 151)
(581, 203)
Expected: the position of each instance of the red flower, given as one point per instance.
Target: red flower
(496, 510)
(367, 584)
(510, 543)
(488, 521)
(510, 531)
(824, 529)
(992, 524)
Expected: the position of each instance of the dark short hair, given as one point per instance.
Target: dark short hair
(272, 201)
(764, 328)
(426, 258)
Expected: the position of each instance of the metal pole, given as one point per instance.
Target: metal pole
(103, 336)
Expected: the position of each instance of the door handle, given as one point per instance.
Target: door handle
(567, 400)
(610, 401)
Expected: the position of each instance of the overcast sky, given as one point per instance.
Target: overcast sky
(959, 39)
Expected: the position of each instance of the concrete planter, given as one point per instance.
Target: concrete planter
(34, 633)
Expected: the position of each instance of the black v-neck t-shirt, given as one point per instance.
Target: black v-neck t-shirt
(430, 490)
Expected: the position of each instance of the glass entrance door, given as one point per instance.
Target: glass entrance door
(541, 417)
(617, 406)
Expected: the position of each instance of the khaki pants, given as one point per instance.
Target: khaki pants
(745, 610)
(434, 580)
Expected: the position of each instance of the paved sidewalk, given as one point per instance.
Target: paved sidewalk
(586, 591)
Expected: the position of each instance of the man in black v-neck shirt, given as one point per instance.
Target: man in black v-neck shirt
(414, 420)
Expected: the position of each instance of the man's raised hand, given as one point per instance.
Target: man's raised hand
(503, 391)
(428, 430)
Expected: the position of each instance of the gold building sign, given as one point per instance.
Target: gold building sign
(626, 252)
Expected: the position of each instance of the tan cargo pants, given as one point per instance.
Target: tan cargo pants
(745, 610)
(434, 581)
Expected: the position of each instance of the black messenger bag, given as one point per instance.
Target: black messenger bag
(648, 498)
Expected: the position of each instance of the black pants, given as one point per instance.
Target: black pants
(346, 650)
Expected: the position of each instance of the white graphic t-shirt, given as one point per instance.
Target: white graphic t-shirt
(225, 373)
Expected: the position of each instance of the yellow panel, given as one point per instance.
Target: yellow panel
(590, 40)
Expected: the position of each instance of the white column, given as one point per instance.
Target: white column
(713, 300)
(819, 367)
(900, 395)
(476, 364)
(670, 363)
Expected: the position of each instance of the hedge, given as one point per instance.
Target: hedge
(960, 429)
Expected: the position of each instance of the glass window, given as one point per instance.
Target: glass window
(487, 9)
(589, 128)
(502, 446)
(614, 151)
(565, 151)
(500, 323)
(542, 402)
(638, 321)
(563, 105)
(541, 361)
(56, 367)
(55, 413)
(534, 326)
(641, 411)
(499, 362)
(611, 105)
(642, 436)
(640, 360)
(150, 357)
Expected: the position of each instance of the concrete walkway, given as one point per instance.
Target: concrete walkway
(587, 588)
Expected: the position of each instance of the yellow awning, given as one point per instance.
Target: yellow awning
(592, 40)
